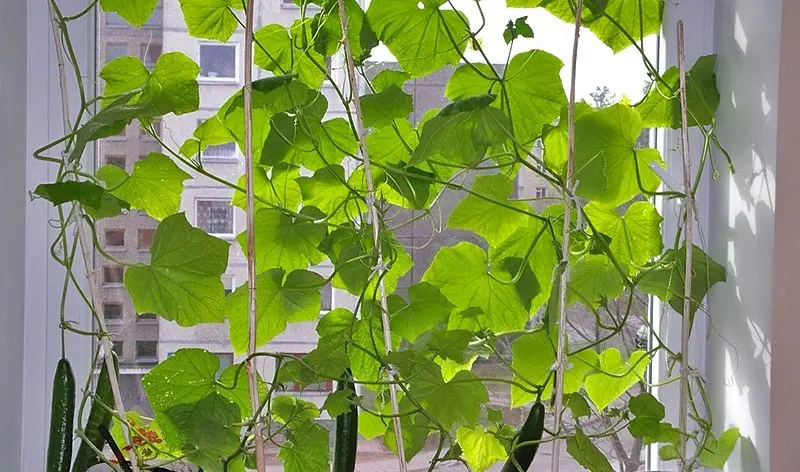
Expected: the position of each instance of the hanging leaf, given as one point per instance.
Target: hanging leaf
(183, 282)
(635, 236)
(594, 281)
(280, 189)
(649, 413)
(533, 84)
(283, 50)
(583, 450)
(281, 299)
(325, 190)
(327, 30)
(421, 35)
(717, 451)
(155, 185)
(96, 201)
(307, 449)
(616, 376)
(135, 13)
(382, 108)
(210, 19)
(481, 448)
(426, 309)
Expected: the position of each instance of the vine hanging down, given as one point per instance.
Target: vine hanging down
(411, 362)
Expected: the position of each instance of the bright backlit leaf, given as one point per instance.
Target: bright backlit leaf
(421, 35)
(280, 188)
(325, 190)
(661, 108)
(285, 50)
(426, 309)
(307, 449)
(481, 448)
(593, 281)
(457, 402)
(462, 274)
(339, 402)
(603, 388)
(485, 218)
(155, 185)
(718, 450)
(327, 30)
(285, 242)
(210, 19)
(183, 282)
(533, 84)
(136, 13)
(281, 299)
(382, 108)
(635, 236)
(583, 450)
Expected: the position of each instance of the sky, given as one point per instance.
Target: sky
(622, 73)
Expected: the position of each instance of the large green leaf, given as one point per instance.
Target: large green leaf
(666, 279)
(462, 132)
(717, 451)
(462, 275)
(606, 158)
(280, 188)
(210, 19)
(155, 185)
(283, 50)
(170, 88)
(307, 449)
(211, 132)
(481, 448)
(422, 36)
(183, 282)
(136, 13)
(285, 242)
(189, 375)
(326, 191)
(533, 84)
(382, 108)
(583, 450)
(615, 377)
(427, 308)
(206, 431)
(593, 281)
(635, 236)
(605, 18)
(480, 214)
(457, 402)
(281, 299)
(660, 108)
(649, 412)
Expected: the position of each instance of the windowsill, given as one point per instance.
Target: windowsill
(126, 26)
(116, 139)
(143, 249)
(219, 160)
(147, 360)
(115, 248)
(140, 321)
(113, 285)
(226, 237)
(218, 80)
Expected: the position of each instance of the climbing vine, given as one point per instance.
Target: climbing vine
(411, 355)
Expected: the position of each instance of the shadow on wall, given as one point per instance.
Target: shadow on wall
(742, 226)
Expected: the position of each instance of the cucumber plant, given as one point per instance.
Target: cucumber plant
(598, 246)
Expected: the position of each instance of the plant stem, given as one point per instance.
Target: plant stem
(252, 374)
(686, 325)
(562, 296)
(373, 219)
(84, 241)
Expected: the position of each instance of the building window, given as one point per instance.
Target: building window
(225, 361)
(146, 351)
(327, 297)
(144, 238)
(218, 61)
(228, 284)
(118, 349)
(115, 238)
(219, 151)
(113, 275)
(215, 217)
(149, 54)
(115, 50)
(118, 161)
(146, 318)
(541, 192)
(112, 311)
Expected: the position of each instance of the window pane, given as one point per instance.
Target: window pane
(145, 238)
(218, 61)
(149, 54)
(226, 150)
(112, 311)
(133, 396)
(118, 161)
(113, 274)
(115, 238)
(115, 50)
(146, 350)
(327, 297)
(215, 216)
(147, 317)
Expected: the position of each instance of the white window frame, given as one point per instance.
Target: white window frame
(235, 80)
(114, 248)
(540, 192)
(232, 159)
(232, 235)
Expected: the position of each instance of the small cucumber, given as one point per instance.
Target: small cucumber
(62, 416)
(346, 443)
(531, 431)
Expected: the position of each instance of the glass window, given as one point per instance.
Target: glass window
(327, 297)
(115, 50)
(218, 61)
(225, 361)
(146, 350)
(146, 317)
(541, 192)
(215, 216)
(144, 238)
(115, 160)
(113, 274)
(149, 54)
(228, 284)
(112, 311)
(220, 151)
(133, 396)
(115, 238)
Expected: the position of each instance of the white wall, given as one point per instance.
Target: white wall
(742, 225)
(12, 214)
